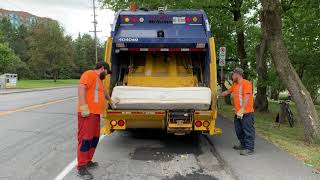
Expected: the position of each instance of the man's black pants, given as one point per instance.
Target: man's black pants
(245, 130)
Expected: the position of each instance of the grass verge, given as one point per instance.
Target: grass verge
(284, 137)
(30, 84)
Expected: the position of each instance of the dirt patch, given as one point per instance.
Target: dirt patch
(171, 146)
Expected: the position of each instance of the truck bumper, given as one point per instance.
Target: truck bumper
(119, 120)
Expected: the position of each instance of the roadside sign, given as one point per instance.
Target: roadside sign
(222, 62)
(222, 56)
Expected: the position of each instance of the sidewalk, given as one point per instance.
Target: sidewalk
(268, 162)
(11, 91)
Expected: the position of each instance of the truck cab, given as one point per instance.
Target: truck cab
(164, 52)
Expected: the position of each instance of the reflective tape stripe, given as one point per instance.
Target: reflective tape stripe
(123, 49)
(164, 49)
(144, 49)
(206, 113)
(96, 92)
(114, 112)
(159, 49)
(240, 96)
(138, 112)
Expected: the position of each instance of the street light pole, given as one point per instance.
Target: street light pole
(95, 29)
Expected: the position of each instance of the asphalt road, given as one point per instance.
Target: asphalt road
(38, 141)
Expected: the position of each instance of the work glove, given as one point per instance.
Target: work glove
(240, 113)
(114, 102)
(84, 109)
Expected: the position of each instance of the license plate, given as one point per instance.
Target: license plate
(180, 122)
(179, 20)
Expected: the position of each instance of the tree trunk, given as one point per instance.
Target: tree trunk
(54, 77)
(261, 101)
(271, 18)
(236, 11)
(241, 51)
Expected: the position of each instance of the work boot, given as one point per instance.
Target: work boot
(84, 173)
(246, 152)
(238, 147)
(92, 165)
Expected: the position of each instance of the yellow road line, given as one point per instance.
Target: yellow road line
(35, 106)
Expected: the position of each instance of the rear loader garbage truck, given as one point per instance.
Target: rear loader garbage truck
(163, 66)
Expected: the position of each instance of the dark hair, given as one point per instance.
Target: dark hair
(101, 64)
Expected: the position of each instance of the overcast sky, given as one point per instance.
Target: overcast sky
(74, 15)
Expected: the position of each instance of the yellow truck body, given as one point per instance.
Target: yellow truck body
(157, 71)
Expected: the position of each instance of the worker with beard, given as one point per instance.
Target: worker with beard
(92, 99)
(243, 106)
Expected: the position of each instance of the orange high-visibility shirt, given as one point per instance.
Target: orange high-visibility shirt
(239, 90)
(94, 92)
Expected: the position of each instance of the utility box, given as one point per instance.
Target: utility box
(8, 80)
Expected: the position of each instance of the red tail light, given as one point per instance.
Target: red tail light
(188, 19)
(198, 123)
(121, 122)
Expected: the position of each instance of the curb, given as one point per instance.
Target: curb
(35, 89)
(214, 151)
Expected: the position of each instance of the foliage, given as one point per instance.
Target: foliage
(85, 53)
(302, 33)
(45, 52)
(16, 37)
(9, 62)
(49, 50)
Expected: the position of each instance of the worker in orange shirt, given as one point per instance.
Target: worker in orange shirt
(243, 105)
(92, 98)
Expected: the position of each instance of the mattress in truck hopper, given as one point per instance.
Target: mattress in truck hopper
(156, 98)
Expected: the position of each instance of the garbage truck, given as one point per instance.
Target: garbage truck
(163, 66)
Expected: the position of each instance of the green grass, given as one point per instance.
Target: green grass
(29, 84)
(284, 137)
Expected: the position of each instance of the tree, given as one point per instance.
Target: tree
(49, 50)
(301, 29)
(16, 38)
(84, 53)
(9, 62)
(261, 101)
(272, 33)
